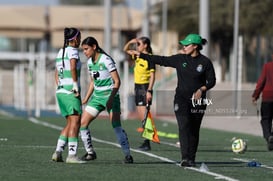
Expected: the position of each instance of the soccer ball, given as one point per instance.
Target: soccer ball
(238, 145)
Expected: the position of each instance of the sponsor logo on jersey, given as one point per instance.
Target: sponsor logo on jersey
(199, 68)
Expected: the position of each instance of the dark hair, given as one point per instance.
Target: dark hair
(146, 40)
(204, 42)
(90, 41)
(69, 34)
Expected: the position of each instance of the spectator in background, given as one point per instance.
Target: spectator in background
(265, 86)
(67, 77)
(196, 75)
(144, 78)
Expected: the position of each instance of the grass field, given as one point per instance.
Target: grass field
(26, 149)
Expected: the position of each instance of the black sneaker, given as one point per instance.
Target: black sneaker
(90, 156)
(192, 163)
(128, 159)
(270, 143)
(187, 163)
(145, 146)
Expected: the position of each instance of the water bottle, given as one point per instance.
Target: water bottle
(254, 164)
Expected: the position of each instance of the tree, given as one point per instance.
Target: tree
(256, 19)
(255, 16)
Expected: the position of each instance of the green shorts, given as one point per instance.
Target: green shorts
(99, 103)
(69, 104)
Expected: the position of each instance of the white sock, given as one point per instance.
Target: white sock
(86, 139)
(61, 143)
(72, 146)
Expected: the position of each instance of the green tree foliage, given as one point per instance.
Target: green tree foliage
(256, 17)
(183, 16)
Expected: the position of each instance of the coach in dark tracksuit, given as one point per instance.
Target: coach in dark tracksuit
(196, 75)
(265, 86)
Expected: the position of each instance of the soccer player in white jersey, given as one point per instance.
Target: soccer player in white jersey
(67, 77)
(102, 94)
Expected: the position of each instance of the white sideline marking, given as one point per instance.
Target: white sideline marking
(170, 144)
(3, 139)
(45, 124)
(216, 175)
(246, 161)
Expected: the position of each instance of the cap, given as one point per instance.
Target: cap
(192, 39)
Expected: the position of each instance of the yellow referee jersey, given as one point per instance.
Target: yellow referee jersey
(142, 71)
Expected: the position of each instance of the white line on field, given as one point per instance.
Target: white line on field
(216, 175)
(246, 161)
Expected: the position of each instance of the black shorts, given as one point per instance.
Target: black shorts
(140, 94)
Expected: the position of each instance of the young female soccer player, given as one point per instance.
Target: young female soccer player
(67, 77)
(102, 94)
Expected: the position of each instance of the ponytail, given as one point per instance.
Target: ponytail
(69, 34)
(146, 40)
(203, 42)
(66, 31)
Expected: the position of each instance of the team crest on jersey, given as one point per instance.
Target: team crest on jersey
(101, 66)
(199, 68)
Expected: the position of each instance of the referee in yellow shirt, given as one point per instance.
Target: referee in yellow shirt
(144, 78)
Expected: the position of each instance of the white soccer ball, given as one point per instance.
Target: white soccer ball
(239, 146)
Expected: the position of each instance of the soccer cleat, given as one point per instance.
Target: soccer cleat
(187, 163)
(57, 157)
(270, 143)
(89, 156)
(74, 159)
(145, 146)
(128, 159)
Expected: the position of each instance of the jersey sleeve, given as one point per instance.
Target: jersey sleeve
(170, 61)
(110, 64)
(210, 76)
(260, 84)
(151, 66)
(73, 53)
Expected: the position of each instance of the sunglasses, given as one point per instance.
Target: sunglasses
(187, 45)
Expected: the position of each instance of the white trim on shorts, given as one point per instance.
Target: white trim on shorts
(91, 110)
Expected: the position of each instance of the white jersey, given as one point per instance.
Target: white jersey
(65, 81)
(100, 72)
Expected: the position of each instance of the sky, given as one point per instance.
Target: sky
(29, 2)
(133, 3)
